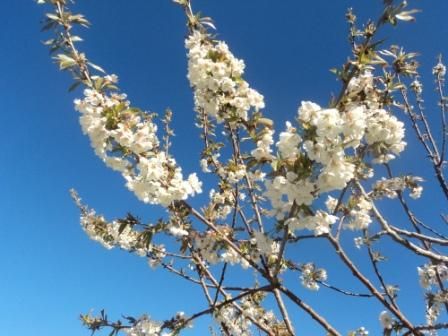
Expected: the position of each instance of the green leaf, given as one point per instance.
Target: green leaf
(52, 16)
(65, 61)
(97, 67)
(74, 86)
(77, 39)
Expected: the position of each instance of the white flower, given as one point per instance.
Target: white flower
(359, 242)
(156, 178)
(195, 184)
(335, 175)
(204, 166)
(288, 145)
(429, 274)
(307, 111)
(416, 192)
(144, 327)
(439, 70)
(266, 245)
(386, 130)
(232, 257)
(216, 77)
(390, 187)
(354, 125)
(386, 320)
(331, 203)
(363, 82)
(361, 332)
(282, 192)
(311, 275)
(328, 123)
(417, 86)
(359, 217)
(263, 150)
(235, 323)
(208, 247)
(320, 223)
(178, 232)
(233, 173)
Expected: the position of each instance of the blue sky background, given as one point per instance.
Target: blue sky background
(50, 271)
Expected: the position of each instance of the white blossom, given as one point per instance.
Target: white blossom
(335, 175)
(145, 327)
(178, 231)
(216, 77)
(310, 276)
(232, 257)
(307, 111)
(111, 124)
(320, 223)
(429, 274)
(416, 192)
(390, 187)
(206, 244)
(361, 332)
(263, 150)
(416, 86)
(204, 166)
(363, 82)
(354, 125)
(284, 191)
(288, 144)
(266, 245)
(387, 133)
(234, 321)
(359, 217)
(331, 204)
(386, 320)
(439, 69)
(359, 242)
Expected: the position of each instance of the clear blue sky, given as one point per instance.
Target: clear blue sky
(50, 271)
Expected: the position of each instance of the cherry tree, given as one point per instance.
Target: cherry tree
(320, 179)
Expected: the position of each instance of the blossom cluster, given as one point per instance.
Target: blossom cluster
(328, 132)
(311, 276)
(263, 151)
(232, 173)
(237, 321)
(145, 327)
(320, 222)
(121, 233)
(222, 202)
(359, 213)
(232, 257)
(265, 245)
(114, 234)
(233, 320)
(435, 303)
(125, 139)
(284, 191)
(213, 248)
(216, 76)
(384, 133)
(430, 274)
(386, 320)
(361, 331)
(321, 156)
(391, 187)
(208, 245)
